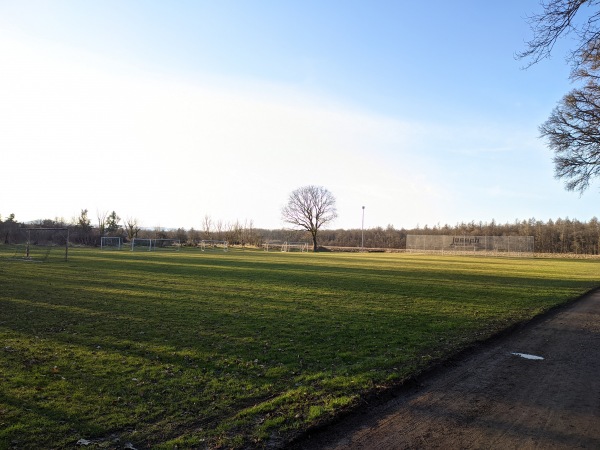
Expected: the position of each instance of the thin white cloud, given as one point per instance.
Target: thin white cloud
(169, 151)
(78, 131)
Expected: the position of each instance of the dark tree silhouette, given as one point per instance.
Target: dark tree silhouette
(560, 18)
(309, 208)
(573, 128)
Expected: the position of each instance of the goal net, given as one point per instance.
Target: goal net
(165, 244)
(272, 245)
(111, 243)
(509, 245)
(214, 245)
(294, 247)
(41, 244)
(140, 244)
(151, 245)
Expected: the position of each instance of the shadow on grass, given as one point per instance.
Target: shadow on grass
(189, 337)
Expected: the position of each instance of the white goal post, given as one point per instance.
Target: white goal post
(111, 243)
(212, 244)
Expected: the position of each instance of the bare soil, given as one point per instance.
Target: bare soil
(492, 398)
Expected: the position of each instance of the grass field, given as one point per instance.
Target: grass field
(239, 349)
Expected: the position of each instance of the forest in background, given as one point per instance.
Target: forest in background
(552, 236)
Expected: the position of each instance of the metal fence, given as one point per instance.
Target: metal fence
(509, 245)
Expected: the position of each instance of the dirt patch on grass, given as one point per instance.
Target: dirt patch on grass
(536, 387)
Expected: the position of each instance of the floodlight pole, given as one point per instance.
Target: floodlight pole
(362, 231)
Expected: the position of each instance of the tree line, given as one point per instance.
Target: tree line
(83, 230)
(552, 236)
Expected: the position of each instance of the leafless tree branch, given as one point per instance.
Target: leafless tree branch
(309, 208)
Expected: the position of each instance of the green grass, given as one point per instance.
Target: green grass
(239, 349)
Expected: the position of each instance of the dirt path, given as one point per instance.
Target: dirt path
(494, 399)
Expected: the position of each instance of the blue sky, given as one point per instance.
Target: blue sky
(171, 111)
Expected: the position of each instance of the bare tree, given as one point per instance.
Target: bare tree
(573, 128)
(309, 208)
(220, 227)
(558, 19)
(131, 228)
(206, 226)
(101, 215)
(234, 232)
(248, 233)
(193, 236)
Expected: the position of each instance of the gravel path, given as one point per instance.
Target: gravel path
(502, 396)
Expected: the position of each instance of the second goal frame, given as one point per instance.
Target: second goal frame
(47, 238)
(153, 244)
(111, 242)
(291, 246)
(206, 244)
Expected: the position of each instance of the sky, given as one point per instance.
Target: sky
(170, 112)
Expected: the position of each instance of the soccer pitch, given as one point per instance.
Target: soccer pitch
(239, 348)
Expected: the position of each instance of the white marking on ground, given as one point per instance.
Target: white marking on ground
(526, 356)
